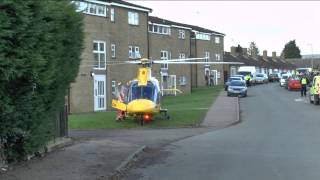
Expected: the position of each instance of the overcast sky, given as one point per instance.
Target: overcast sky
(270, 24)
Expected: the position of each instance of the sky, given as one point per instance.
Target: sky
(270, 24)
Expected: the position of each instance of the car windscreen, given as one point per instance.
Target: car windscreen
(284, 77)
(259, 75)
(234, 79)
(237, 83)
(244, 73)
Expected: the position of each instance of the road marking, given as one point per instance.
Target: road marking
(298, 100)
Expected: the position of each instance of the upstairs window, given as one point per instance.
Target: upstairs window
(91, 8)
(99, 54)
(134, 52)
(203, 36)
(164, 55)
(181, 34)
(158, 29)
(182, 56)
(217, 40)
(207, 56)
(112, 14)
(113, 50)
(133, 18)
(218, 57)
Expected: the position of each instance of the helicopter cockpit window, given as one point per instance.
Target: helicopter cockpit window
(143, 92)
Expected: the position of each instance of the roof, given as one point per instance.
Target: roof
(127, 4)
(158, 20)
(259, 61)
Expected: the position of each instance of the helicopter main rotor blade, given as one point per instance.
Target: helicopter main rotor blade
(177, 60)
(200, 63)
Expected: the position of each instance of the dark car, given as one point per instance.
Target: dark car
(237, 88)
(273, 78)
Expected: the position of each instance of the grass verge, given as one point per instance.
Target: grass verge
(184, 110)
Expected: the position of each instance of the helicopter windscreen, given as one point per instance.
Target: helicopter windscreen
(143, 92)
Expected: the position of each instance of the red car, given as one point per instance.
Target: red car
(294, 83)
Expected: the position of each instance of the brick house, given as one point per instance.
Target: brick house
(115, 31)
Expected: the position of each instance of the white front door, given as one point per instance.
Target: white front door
(214, 75)
(99, 92)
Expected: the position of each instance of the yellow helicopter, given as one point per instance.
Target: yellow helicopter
(143, 94)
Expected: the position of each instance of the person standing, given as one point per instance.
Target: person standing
(304, 82)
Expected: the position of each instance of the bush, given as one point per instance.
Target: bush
(40, 48)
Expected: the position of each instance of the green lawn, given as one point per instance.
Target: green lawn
(184, 110)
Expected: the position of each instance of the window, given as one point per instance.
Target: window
(217, 40)
(133, 18)
(233, 71)
(182, 80)
(181, 34)
(218, 57)
(207, 56)
(134, 52)
(99, 54)
(113, 87)
(112, 14)
(164, 55)
(203, 36)
(182, 56)
(113, 50)
(158, 29)
(91, 8)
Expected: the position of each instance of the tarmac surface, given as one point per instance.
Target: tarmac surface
(95, 154)
(278, 139)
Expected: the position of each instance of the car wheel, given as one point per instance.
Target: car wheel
(289, 89)
(228, 94)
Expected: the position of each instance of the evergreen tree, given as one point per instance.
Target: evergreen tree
(291, 50)
(239, 49)
(40, 48)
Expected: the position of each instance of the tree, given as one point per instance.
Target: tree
(239, 49)
(40, 48)
(253, 49)
(291, 50)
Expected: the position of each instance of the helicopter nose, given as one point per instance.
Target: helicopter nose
(141, 106)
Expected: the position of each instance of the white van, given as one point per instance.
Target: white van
(244, 70)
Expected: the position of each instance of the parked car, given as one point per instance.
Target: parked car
(239, 75)
(314, 93)
(237, 88)
(283, 79)
(294, 83)
(273, 78)
(229, 80)
(261, 78)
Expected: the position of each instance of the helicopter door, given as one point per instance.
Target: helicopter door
(99, 92)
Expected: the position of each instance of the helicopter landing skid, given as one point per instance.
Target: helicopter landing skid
(164, 113)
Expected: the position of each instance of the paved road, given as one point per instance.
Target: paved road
(279, 138)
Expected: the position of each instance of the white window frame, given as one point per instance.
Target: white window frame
(113, 87)
(217, 40)
(112, 14)
(182, 80)
(203, 36)
(99, 53)
(85, 7)
(181, 34)
(207, 56)
(133, 18)
(134, 52)
(159, 29)
(162, 52)
(182, 55)
(218, 57)
(113, 50)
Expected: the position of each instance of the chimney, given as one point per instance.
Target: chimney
(233, 51)
(265, 54)
(274, 55)
(245, 51)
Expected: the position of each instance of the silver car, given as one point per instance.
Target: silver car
(237, 88)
